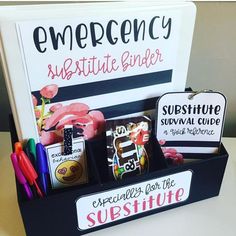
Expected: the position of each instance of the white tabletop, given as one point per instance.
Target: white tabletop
(211, 217)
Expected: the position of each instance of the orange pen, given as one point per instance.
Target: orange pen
(28, 171)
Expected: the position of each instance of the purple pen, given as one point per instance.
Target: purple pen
(20, 177)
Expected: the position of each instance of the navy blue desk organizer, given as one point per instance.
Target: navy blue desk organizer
(207, 175)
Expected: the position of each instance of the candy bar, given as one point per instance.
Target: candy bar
(128, 146)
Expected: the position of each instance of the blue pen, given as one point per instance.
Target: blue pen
(42, 167)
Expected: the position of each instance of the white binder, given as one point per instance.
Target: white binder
(156, 56)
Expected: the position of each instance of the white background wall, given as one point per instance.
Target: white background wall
(213, 56)
(212, 64)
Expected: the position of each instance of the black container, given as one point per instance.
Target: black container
(203, 180)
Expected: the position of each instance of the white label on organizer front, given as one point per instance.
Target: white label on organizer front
(105, 207)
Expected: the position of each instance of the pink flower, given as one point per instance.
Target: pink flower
(98, 121)
(35, 102)
(88, 132)
(37, 113)
(78, 109)
(172, 154)
(178, 159)
(55, 107)
(171, 151)
(88, 124)
(50, 137)
(162, 142)
(49, 91)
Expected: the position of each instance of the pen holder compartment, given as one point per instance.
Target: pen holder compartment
(93, 176)
(68, 211)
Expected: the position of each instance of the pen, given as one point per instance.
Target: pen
(18, 147)
(42, 166)
(30, 150)
(28, 171)
(20, 177)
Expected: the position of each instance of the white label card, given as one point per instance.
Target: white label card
(191, 124)
(109, 206)
(67, 170)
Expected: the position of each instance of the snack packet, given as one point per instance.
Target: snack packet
(128, 146)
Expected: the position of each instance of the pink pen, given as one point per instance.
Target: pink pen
(20, 177)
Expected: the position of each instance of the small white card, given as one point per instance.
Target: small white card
(190, 122)
(67, 170)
